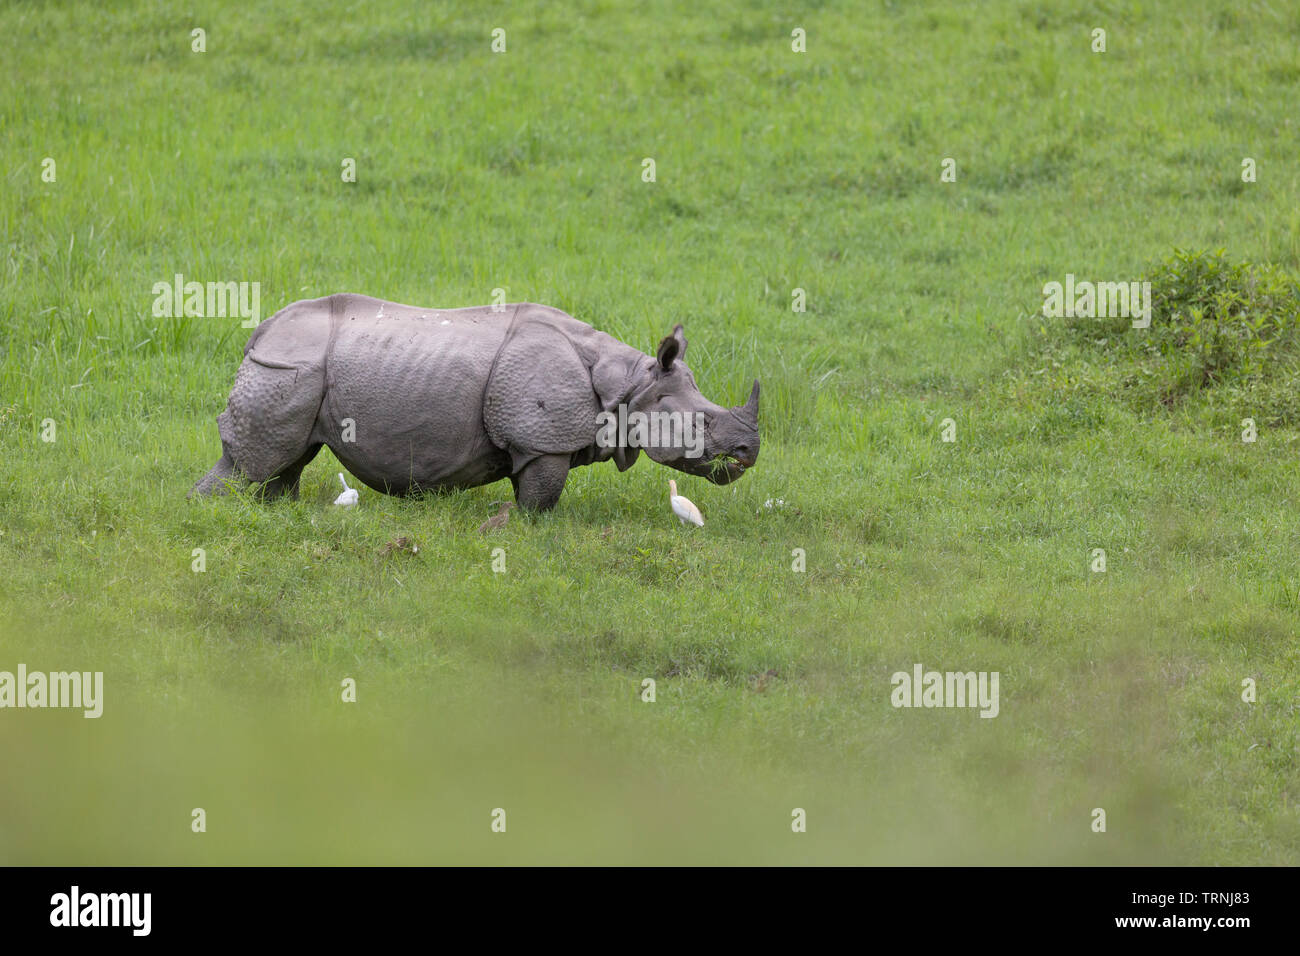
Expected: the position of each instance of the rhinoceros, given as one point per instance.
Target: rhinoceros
(413, 400)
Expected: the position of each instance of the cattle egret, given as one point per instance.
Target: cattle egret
(349, 496)
(499, 519)
(684, 508)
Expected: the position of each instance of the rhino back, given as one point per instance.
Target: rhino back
(409, 382)
(295, 337)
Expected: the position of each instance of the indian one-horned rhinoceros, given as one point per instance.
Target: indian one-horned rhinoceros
(414, 400)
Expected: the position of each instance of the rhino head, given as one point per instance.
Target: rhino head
(720, 442)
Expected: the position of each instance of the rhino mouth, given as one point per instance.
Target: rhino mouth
(723, 469)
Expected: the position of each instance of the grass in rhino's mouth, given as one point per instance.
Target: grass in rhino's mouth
(724, 463)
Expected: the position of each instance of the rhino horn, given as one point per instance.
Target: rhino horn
(749, 411)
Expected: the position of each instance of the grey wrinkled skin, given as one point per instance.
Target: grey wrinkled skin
(453, 398)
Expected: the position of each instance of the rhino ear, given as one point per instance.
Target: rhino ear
(672, 348)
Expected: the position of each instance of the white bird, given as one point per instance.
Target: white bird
(349, 496)
(684, 508)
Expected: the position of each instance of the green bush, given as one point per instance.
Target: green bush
(1221, 320)
(1224, 334)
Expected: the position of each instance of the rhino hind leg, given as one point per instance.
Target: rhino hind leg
(219, 480)
(225, 477)
(267, 429)
(539, 484)
(287, 480)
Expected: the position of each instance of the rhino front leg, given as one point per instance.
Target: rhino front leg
(540, 482)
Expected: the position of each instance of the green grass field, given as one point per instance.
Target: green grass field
(521, 690)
